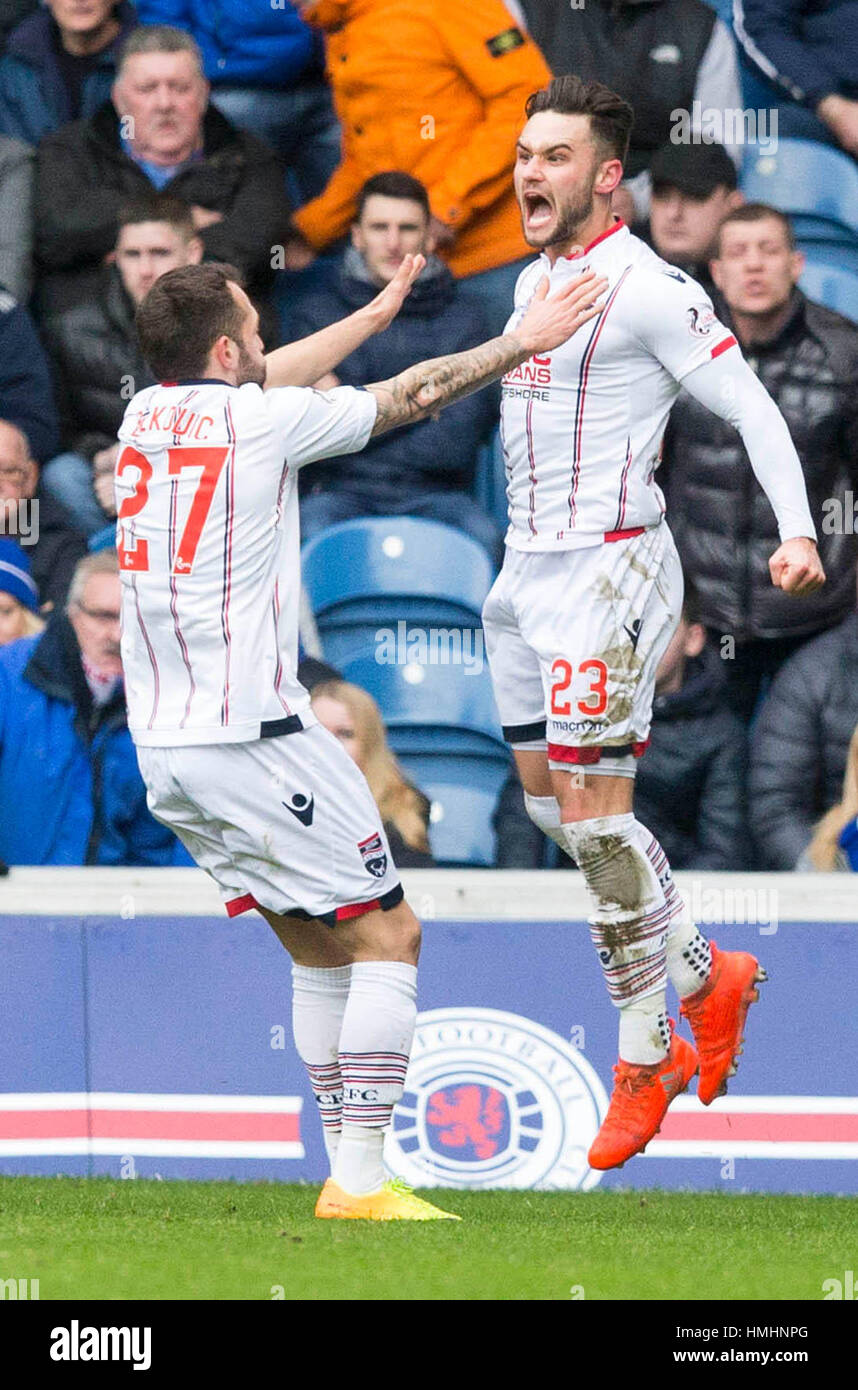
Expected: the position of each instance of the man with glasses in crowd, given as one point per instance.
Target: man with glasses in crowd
(70, 791)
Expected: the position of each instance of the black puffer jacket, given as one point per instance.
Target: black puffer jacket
(83, 175)
(98, 365)
(800, 743)
(614, 41)
(689, 789)
(724, 526)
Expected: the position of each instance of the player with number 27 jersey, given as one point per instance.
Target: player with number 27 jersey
(206, 483)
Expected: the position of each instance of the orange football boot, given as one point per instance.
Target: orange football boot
(717, 1016)
(639, 1103)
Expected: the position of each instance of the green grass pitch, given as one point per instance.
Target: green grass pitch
(145, 1239)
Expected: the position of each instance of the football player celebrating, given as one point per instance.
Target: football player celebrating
(235, 761)
(591, 588)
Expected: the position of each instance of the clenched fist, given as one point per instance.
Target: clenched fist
(796, 567)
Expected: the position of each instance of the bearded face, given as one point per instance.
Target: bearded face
(556, 171)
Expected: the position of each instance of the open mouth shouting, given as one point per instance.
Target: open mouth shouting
(538, 210)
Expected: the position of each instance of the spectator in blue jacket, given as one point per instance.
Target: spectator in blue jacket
(70, 789)
(60, 64)
(807, 51)
(266, 67)
(26, 393)
(425, 469)
(19, 597)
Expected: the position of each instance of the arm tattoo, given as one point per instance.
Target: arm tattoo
(428, 386)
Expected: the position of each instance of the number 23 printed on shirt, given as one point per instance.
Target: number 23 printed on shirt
(210, 460)
(597, 691)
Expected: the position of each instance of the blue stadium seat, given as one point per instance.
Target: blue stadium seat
(490, 484)
(377, 571)
(460, 828)
(832, 286)
(816, 184)
(831, 253)
(443, 727)
(429, 708)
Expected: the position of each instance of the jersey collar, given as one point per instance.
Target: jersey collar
(619, 226)
(197, 381)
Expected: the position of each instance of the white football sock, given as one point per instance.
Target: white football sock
(359, 1164)
(644, 1030)
(544, 811)
(375, 1044)
(628, 928)
(318, 1004)
(689, 958)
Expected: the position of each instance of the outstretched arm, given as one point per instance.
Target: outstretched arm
(674, 319)
(304, 362)
(729, 388)
(421, 390)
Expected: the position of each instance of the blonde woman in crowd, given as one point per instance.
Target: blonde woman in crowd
(835, 840)
(355, 719)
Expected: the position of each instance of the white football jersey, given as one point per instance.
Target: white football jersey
(582, 426)
(209, 553)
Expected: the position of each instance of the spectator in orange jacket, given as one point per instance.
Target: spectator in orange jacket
(437, 89)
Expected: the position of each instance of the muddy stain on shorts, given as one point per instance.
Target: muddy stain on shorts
(624, 667)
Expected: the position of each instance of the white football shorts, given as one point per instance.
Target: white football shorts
(573, 639)
(285, 823)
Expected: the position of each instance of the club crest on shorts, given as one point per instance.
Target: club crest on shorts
(495, 1100)
(373, 855)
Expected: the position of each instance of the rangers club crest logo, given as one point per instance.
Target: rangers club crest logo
(494, 1100)
(373, 855)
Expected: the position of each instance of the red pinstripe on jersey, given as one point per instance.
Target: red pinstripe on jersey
(278, 671)
(582, 388)
(531, 460)
(227, 559)
(152, 658)
(177, 627)
(624, 479)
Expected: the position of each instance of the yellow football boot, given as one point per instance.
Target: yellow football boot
(395, 1202)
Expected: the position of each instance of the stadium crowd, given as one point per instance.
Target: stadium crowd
(312, 146)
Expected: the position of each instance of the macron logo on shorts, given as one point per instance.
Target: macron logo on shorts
(301, 807)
